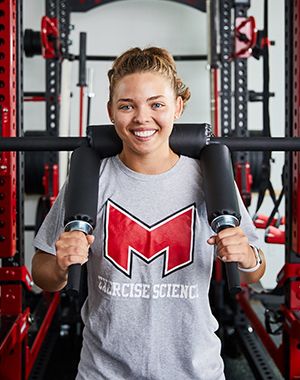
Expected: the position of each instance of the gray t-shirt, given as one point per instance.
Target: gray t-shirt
(147, 315)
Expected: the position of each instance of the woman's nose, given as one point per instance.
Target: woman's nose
(142, 115)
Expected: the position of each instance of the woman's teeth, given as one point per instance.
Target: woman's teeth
(144, 133)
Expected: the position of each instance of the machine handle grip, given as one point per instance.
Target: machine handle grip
(221, 199)
(231, 268)
(74, 275)
(233, 278)
(74, 270)
(81, 201)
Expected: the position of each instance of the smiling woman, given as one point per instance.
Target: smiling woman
(147, 315)
(146, 96)
(144, 121)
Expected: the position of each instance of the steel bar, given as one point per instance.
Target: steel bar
(239, 144)
(51, 143)
(100, 58)
(86, 5)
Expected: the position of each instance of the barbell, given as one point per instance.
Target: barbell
(187, 139)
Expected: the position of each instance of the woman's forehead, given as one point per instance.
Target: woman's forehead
(146, 83)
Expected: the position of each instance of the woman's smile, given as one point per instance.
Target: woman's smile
(144, 134)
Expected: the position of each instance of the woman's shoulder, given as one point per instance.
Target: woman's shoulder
(106, 162)
(191, 161)
(110, 166)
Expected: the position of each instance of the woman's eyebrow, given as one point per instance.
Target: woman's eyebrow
(131, 100)
(125, 100)
(154, 97)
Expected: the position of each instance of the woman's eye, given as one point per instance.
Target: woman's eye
(125, 107)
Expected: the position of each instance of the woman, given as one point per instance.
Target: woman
(147, 315)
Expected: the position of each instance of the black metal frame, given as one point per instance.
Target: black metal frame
(288, 354)
(86, 5)
(225, 7)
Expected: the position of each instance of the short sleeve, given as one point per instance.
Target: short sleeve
(52, 226)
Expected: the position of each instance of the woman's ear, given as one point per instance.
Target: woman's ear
(109, 111)
(179, 107)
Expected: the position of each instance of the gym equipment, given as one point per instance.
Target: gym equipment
(45, 42)
(221, 200)
(83, 6)
(185, 139)
(202, 137)
(82, 78)
(19, 362)
(213, 64)
(90, 94)
(35, 166)
(245, 36)
(81, 196)
(81, 201)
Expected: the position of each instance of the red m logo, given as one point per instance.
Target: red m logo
(172, 237)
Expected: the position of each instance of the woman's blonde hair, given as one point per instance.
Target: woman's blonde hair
(152, 59)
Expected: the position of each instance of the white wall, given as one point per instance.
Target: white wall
(113, 28)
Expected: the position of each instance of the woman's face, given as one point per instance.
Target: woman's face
(143, 109)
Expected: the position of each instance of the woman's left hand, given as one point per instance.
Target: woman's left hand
(233, 245)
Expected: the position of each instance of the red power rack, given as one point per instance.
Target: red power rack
(17, 352)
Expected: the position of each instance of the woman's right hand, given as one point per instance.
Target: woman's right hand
(72, 247)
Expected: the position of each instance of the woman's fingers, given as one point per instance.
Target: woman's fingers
(72, 248)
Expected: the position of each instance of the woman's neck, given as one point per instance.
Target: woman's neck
(149, 164)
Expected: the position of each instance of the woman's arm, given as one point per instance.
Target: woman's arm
(46, 273)
(233, 246)
(50, 272)
(255, 276)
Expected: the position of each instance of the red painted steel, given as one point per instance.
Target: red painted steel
(244, 181)
(81, 106)
(292, 341)
(11, 352)
(55, 182)
(16, 357)
(11, 302)
(261, 220)
(51, 186)
(296, 132)
(34, 99)
(51, 47)
(245, 36)
(16, 274)
(288, 271)
(273, 235)
(8, 127)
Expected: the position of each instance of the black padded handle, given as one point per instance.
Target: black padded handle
(81, 201)
(74, 275)
(232, 273)
(233, 278)
(221, 199)
(185, 139)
